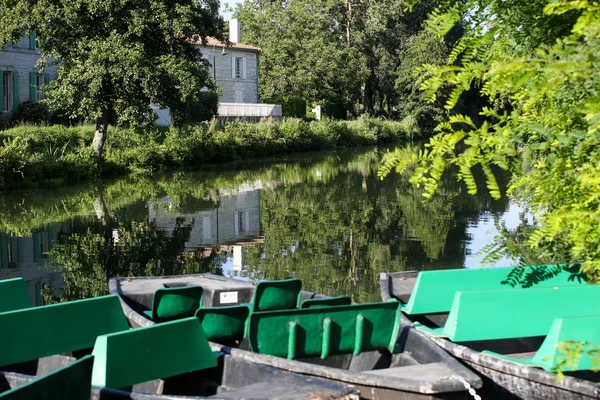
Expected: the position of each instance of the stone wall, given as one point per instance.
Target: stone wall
(243, 89)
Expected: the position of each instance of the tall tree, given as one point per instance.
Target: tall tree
(117, 56)
(303, 49)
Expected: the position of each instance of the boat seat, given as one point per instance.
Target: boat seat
(159, 351)
(434, 291)
(321, 302)
(577, 331)
(507, 313)
(276, 295)
(44, 331)
(224, 324)
(71, 382)
(171, 303)
(14, 295)
(325, 331)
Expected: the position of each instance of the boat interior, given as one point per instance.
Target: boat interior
(509, 312)
(351, 346)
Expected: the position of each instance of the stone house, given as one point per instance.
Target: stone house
(20, 80)
(234, 66)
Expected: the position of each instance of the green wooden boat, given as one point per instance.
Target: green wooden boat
(160, 362)
(274, 323)
(507, 323)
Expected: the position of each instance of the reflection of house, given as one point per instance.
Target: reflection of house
(24, 256)
(236, 219)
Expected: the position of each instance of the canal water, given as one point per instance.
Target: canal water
(325, 218)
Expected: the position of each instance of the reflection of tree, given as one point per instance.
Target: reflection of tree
(88, 259)
(338, 236)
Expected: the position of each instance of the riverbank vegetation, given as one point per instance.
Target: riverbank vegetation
(54, 155)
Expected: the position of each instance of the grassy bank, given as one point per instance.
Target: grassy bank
(48, 156)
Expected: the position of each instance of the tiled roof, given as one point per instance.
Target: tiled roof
(211, 41)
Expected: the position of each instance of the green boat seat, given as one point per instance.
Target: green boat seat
(72, 382)
(160, 351)
(14, 295)
(325, 331)
(43, 331)
(224, 324)
(507, 313)
(175, 302)
(276, 295)
(574, 331)
(326, 302)
(434, 290)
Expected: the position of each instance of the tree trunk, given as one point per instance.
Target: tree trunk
(100, 135)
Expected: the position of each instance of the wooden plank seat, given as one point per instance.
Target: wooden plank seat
(71, 382)
(127, 358)
(172, 303)
(276, 295)
(507, 313)
(14, 295)
(582, 333)
(44, 331)
(224, 324)
(322, 302)
(434, 291)
(322, 332)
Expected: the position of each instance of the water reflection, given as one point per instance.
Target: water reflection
(325, 218)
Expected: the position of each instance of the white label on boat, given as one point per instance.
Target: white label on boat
(229, 297)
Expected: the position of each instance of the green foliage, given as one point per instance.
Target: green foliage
(203, 108)
(43, 155)
(570, 353)
(291, 106)
(32, 112)
(537, 63)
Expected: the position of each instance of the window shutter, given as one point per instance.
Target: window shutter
(244, 67)
(232, 67)
(1, 91)
(32, 86)
(32, 41)
(15, 91)
(47, 78)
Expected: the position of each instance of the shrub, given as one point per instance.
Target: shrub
(32, 112)
(291, 106)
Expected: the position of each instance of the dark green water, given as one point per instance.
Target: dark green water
(325, 218)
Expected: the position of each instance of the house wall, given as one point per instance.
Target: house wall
(242, 89)
(20, 58)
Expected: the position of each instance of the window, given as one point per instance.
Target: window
(238, 67)
(39, 82)
(6, 92)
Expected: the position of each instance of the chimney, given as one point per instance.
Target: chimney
(234, 30)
